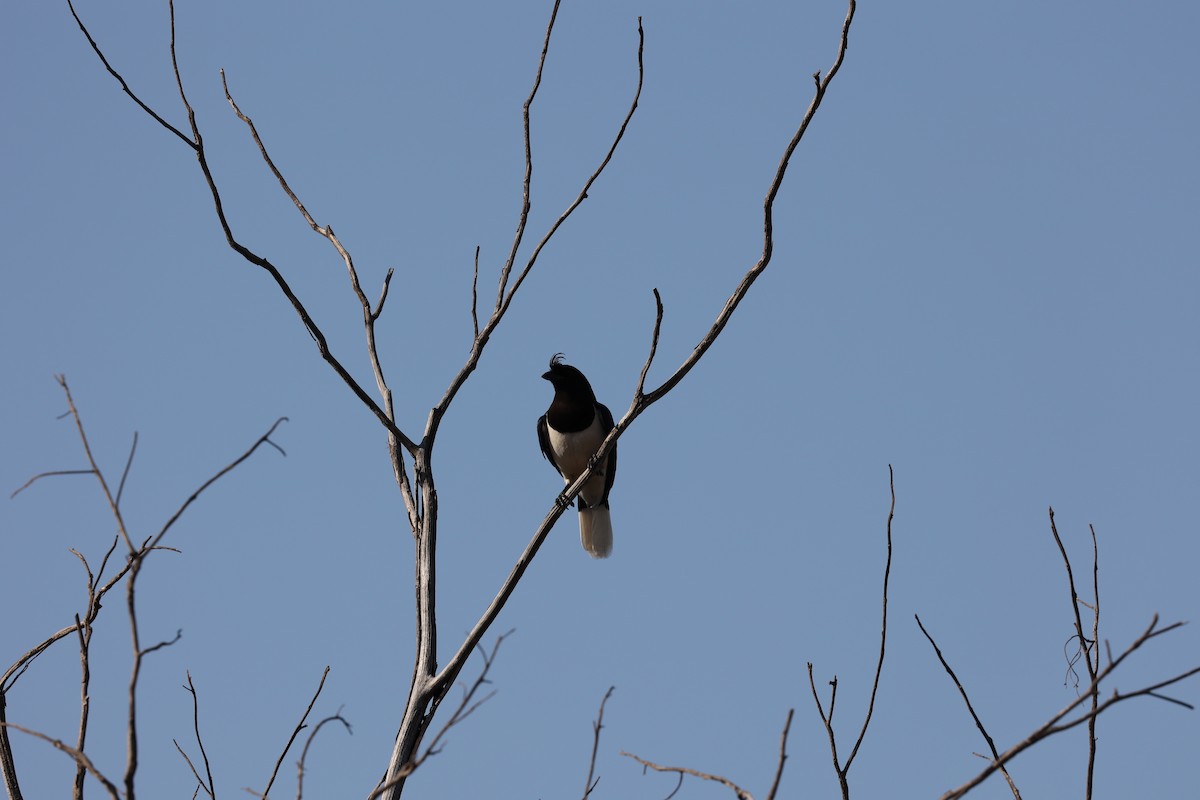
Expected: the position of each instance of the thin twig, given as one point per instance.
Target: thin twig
(80, 758)
(296, 732)
(783, 737)
(843, 770)
(588, 785)
(191, 689)
(128, 465)
(1056, 723)
(50, 474)
(741, 793)
(308, 743)
(978, 722)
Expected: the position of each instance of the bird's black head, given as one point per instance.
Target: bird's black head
(567, 379)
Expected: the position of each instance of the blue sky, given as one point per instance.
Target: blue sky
(985, 275)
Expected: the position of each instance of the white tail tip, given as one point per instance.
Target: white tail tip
(595, 531)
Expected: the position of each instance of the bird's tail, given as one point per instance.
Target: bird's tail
(595, 531)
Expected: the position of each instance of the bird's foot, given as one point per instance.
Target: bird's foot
(562, 500)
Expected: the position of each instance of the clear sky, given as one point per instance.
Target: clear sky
(985, 275)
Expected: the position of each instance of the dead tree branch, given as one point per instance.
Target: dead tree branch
(1088, 648)
(295, 732)
(83, 623)
(841, 769)
(308, 743)
(1059, 722)
(589, 785)
(978, 722)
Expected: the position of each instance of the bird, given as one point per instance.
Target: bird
(570, 433)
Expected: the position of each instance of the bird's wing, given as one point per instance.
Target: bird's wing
(544, 440)
(610, 470)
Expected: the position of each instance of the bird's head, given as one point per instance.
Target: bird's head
(566, 378)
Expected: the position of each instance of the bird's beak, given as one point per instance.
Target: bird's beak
(546, 377)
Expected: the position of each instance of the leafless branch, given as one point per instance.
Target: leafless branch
(429, 686)
(84, 632)
(199, 781)
(124, 86)
(466, 706)
(211, 787)
(225, 470)
(50, 474)
(308, 743)
(588, 785)
(1087, 647)
(741, 793)
(783, 737)
(370, 315)
(843, 770)
(80, 758)
(1058, 723)
(296, 732)
(475, 296)
(128, 465)
(978, 722)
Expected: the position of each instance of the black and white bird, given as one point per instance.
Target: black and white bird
(570, 433)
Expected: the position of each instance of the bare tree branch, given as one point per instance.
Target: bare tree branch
(467, 706)
(1087, 647)
(79, 757)
(211, 788)
(843, 770)
(978, 722)
(741, 793)
(783, 737)
(308, 743)
(296, 732)
(588, 785)
(1058, 723)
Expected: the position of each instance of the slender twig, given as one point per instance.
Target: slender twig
(843, 770)
(199, 781)
(523, 217)
(783, 737)
(296, 732)
(1087, 647)
(475, 296)
(211, 788)
(128, 466)
(259, 442)
(978, 722)
(80, 758)
(308, 743)
(588, 785)
(50, 474)
(1058, 723)
(741, 793)
(124, 86)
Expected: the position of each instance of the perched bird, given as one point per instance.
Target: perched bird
(570, 433)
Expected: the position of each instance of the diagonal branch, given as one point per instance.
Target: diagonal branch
(978, 722)
(506, 294)
(295, 732)
(597, 726)
(1059, 722)
(196, 143)
(741, 793)
(370, 315)
(640, 401)
(843, 770)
